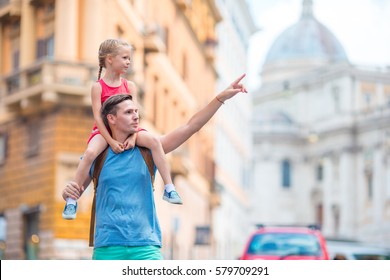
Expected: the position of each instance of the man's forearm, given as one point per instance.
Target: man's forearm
(176, 138)
(202, 117)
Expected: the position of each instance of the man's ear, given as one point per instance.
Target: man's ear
(111, 119)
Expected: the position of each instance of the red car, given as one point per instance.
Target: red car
(286, 243)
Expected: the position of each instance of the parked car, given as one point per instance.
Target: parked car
(286, 243)
(354, 250)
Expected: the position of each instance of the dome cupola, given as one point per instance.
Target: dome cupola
(304, 45)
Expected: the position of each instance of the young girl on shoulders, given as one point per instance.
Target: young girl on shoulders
(114, 56)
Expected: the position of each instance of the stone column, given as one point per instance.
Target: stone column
(14, 239)
(92, 19)
(66, 30)
(27, 35)
(378, 198)
(348, 191)
(379, 93)
(328, 228)
(360, 210)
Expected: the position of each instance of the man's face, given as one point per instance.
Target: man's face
(127, 118)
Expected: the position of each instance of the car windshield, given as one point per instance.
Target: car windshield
(285, 244)
(371, 256)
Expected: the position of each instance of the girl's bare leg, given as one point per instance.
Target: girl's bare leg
(95, 147)
(147, 140)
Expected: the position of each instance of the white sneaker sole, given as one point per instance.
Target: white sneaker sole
(68, 217)
(172, 201)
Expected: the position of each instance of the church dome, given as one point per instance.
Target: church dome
(308, 43)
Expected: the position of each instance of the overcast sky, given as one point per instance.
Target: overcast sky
(361, 26)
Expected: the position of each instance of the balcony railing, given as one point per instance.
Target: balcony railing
(155, 38)
(209, 46)
(57, 78)
(9, 8)
(4, 3)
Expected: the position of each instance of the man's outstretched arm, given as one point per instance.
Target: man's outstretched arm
(174, 139)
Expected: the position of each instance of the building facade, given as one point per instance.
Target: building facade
(48, 61)
(321, 137)
(233, 149)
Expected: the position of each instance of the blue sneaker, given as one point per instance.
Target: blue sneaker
(172, 197)
(69, 212)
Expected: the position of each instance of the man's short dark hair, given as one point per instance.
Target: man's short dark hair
(110, 105)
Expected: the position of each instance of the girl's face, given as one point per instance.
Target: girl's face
(120, 62)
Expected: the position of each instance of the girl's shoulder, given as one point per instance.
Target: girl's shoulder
(96, 87)
(132, 88)
(130, 84)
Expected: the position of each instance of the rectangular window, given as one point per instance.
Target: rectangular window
(34, 138)
(41, 48)
(286, 174)
(202, 235)
(15, 45)
(31, 233)
(369, 184)
(13, 83)
(320, 172)
(50, 46)
(15, 60)
(3, 148)
(336, 99)
(3, 236)
(45, 47)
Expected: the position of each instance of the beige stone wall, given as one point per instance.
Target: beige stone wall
(28, 179)
(49, 100)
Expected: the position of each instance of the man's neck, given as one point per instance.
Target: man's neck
(120, 137)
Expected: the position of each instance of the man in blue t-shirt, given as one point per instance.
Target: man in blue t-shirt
(127, 226)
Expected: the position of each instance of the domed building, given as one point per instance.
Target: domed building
(305, 45)
(321, 137)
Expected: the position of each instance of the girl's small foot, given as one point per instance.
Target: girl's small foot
(172, 197)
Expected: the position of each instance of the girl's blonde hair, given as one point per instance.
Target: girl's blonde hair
(109, 47)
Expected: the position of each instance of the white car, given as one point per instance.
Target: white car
(352, 250)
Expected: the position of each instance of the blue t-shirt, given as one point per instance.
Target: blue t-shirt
(125, 210)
